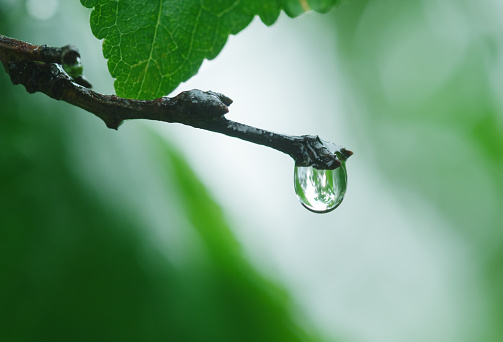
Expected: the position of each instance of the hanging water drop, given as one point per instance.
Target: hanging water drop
(320, 191)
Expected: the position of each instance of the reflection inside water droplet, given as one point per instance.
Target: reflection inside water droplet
(320, 191)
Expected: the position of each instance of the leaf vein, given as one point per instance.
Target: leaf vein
(152, 47)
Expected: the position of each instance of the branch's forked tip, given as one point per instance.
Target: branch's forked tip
(346, 153)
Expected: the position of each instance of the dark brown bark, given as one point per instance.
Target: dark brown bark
(45, 69)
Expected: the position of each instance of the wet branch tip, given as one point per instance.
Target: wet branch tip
(57, 72)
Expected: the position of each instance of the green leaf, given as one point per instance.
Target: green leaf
(154, 45)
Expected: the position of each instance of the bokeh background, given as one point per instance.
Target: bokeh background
(164, 232)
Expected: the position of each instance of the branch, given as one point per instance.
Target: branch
(57, 72)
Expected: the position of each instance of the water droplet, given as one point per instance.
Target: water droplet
(320, 191)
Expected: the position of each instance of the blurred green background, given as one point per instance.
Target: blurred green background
(109, 235)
